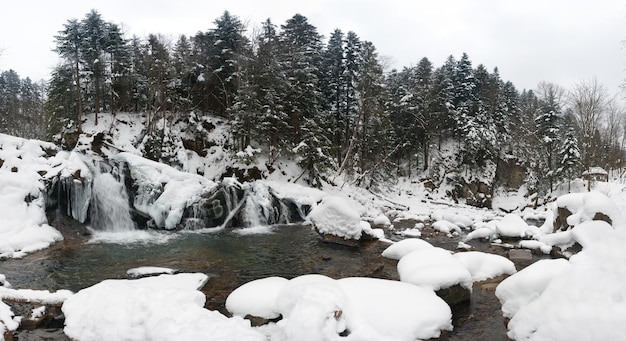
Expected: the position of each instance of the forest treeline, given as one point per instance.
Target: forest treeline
(329, 102)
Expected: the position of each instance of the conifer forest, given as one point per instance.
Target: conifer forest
(327, 98)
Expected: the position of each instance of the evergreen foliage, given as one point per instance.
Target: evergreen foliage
(328, 103)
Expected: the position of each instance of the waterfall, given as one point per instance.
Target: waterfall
(109, 205)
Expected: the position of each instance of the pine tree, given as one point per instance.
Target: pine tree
(272, 83)
(569, 157)
(229, 51)
(68, 46)
(333, 88)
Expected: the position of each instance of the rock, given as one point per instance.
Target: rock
(455, 294)
(560, 222)
(520, 255)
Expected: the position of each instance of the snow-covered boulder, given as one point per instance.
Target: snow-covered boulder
(575, 208)
(483, 266)
(436, 269)
(402, 248)
(391, 310)
(337, 220)
(512, 226)
(316, 307)
(166, 307)
(381, 221)
(257, 298)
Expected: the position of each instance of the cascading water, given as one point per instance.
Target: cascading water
(109, 205)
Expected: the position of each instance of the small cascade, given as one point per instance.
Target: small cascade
(109, 205)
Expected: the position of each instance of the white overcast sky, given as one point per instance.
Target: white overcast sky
(560, 41)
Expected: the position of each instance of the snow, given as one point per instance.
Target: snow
(337, 216)
(148, 270)
(163, 192)
(404, 247)
(43, 297)
(316, 307)
(584, 207)
(23, 227)
(482, 232)
(391, 310)
(433, 268)
(446, 227)
(7, 323)
(483, 266)
(511, 225)
(577, 299)
(256, 298)
(165, 307)
(381, 220)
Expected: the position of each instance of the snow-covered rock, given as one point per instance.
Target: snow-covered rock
(381, 221)
(165, 307)
(257, 298)
(7, 322)
(402, 248)
(148, 271)
(483, 266)
(512, 226)
(433, 268)
(575, 208)
(23, 224)
(316, 307)
(163, 192)
(336, 216)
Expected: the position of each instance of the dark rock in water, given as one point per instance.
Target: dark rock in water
(455, 294)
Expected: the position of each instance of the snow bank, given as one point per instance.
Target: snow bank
(316, 307)
(23, 227)
(404, 247)
(483, 266)
(579, 299)
(433, 268)
(337, 216)
(166, 307)
(163, 192)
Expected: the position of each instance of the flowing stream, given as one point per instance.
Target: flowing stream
(230, 258)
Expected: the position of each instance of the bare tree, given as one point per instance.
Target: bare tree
(589, 101)
(551, 92)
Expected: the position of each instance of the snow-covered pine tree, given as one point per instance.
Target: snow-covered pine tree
(569, 162)
(332, 86)
(548, 125)
(300, 55)
(272, 84)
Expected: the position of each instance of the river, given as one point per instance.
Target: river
(230, 259)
